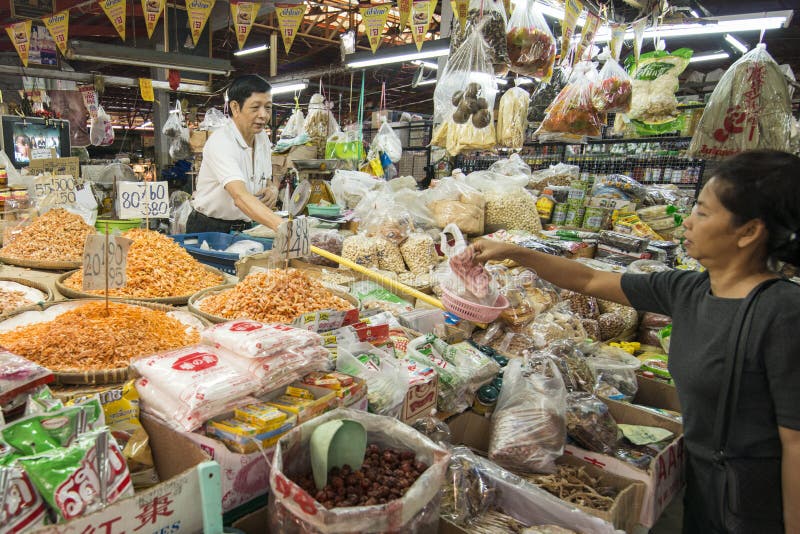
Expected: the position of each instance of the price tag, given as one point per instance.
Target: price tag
(96, 256)
(138, 200)
(291, 239)
(60, 189)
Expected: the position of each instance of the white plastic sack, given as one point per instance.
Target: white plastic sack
(252, 339)
(387, 381)
(101, 131)
(388, 142)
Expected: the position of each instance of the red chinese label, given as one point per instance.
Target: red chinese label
(196, 361)
(244, 326)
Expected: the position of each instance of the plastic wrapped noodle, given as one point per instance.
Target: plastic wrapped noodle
(512, 118)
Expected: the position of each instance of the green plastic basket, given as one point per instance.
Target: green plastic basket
(315, 210)
(117, 224)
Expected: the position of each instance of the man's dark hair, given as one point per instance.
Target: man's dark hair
(242, 87)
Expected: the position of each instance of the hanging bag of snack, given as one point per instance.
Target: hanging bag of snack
(531, 45)
(489, 17)
(512, 118)
(572, 116)
(613, 93)
(749, 109)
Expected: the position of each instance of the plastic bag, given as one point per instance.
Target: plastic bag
(252, 339)
(489, 18)
(345, 146)
(471, 281)
(180, 209)
(572, 116)
(613, 93)
(374, 297)
(388, 142)
(512, 118)
(330, 240)
(558, 323)
(180, 148)
(618, 186)
(452, 201)
(22, 506)
(654, 108)
(294, 126)
(362, 250)
(750, 108)
(557, 175)
(388, 220)
(349, 187)
(528, 423)
(387, 381)
(293, 510)
(19, 375)
(320, 122)
(511, 166)
(174, 125)
(614, 371)
(213, 120)
(101, 131)
(590, 423)
(531, 45)
(546, 92)
(418, 253)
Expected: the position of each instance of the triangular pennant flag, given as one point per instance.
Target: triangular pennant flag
(58, 26)
(462, 12)
(20, 34)
(572, 10)
(375, 18)
(289, 19)
(421, 14)
(115, 11)
(404, 7)
(243, 15)
(198, 12)
(152, 10)
(587, 36)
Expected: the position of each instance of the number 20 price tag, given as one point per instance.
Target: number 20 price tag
(96, 256)
(291, 239)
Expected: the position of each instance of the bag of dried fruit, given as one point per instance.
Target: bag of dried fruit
(572, 116)
(531, 45)
(613, 94)
(489, 17)
(393, 503)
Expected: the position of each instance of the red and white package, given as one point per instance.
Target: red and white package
(184, 387)
(258, 340)
(18, 375)
(21, 506)
(282, 368)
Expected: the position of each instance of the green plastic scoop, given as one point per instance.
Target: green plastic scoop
(334, 444)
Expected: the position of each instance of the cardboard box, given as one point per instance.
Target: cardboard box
(325, 400)
(656, 393)
(665, 477)
(255, 522)
(171, 506)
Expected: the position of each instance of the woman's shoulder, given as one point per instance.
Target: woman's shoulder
(784, 295)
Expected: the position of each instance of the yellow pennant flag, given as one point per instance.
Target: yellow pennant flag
(461, 11)
(243, 15)
(404, 8)
(198, 11)
(572, 10)
(115, 11)
(146, 89)
(587, 36)
(152, 10)
(289, 19)
(375, 18)
(20, 34)
(58, 26)
(421, 12)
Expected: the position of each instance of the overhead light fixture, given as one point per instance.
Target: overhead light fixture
(289, 88)
(251, 50)
(400, 54)
(427, 64)
(694, 13)
(427, 82)
(709, 57)
(736, 43)
(128, 55)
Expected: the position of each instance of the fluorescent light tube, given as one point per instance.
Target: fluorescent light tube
(427, 64)
(427, 82)
(736, 43)
(694, 13)
(709, 57)
(288, 88)
(399, 58)
(251, 50)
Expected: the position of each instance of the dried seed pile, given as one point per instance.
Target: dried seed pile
(157, 268)
(85, 338)
(58, 235)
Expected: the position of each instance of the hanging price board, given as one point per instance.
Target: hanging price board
(61, 187)
(105, 259)
(138, 200)
(291, 239)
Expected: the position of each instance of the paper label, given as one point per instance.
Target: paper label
(587, 36)
(58, 26)
(62, 189)
(20, 34)
(291, 239)
(146, 89)
(152, 10)
(115, 11)
(141, 200)
(617, 38)
(289, 19)
(105, 254)
(375, 18)
(243, 15)
(198, 11)
(421, 20)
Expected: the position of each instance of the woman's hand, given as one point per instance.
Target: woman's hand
(490, 249)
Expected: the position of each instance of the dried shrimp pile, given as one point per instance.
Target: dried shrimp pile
(11, 299)
(58, 235)
(575, 485)
(157, 268)
(85, 338)
(276, 296)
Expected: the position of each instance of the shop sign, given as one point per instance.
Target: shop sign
(375, 18)
(152, 10)
(198, 11)
(243, 15)
(289, 19)
(115, 11)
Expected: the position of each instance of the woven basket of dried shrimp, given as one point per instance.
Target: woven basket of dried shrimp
(16, 293)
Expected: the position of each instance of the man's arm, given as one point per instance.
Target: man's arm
(790, 468)
(251, 206)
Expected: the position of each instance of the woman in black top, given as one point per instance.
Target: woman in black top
(747, 218)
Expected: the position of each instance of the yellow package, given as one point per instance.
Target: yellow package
(261, 415)
(236, 427)
(291, 404)
(299, 393)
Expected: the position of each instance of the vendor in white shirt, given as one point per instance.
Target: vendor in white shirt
(234, 185)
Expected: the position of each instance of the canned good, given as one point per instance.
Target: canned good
(595, 219)
(575, 216)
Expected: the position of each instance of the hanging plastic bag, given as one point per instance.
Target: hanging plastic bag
(388, 142)
(512, 118)
(654, 108)
(546, 92)
(614, 92)
(489, 17)
(294, 126)
(531, 45)
(529, 421)
(180, 209)
(750, 108)
(172, 128)
(573, 117)
(345, 146)
(180, 147)
(101, 131)
(213, 120)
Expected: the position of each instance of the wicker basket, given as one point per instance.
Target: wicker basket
(38, 264)
(172, 301)
(35, 285)
(98, 376)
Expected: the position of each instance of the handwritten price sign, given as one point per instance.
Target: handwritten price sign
(59, 189)
(291, 239)
(139, 200)
(101, 255)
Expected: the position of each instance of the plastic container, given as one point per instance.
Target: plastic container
(224, 261)
(471, 311)
(315, 210)
(117, 224)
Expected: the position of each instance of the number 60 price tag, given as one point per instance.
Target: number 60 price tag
(99, 256)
